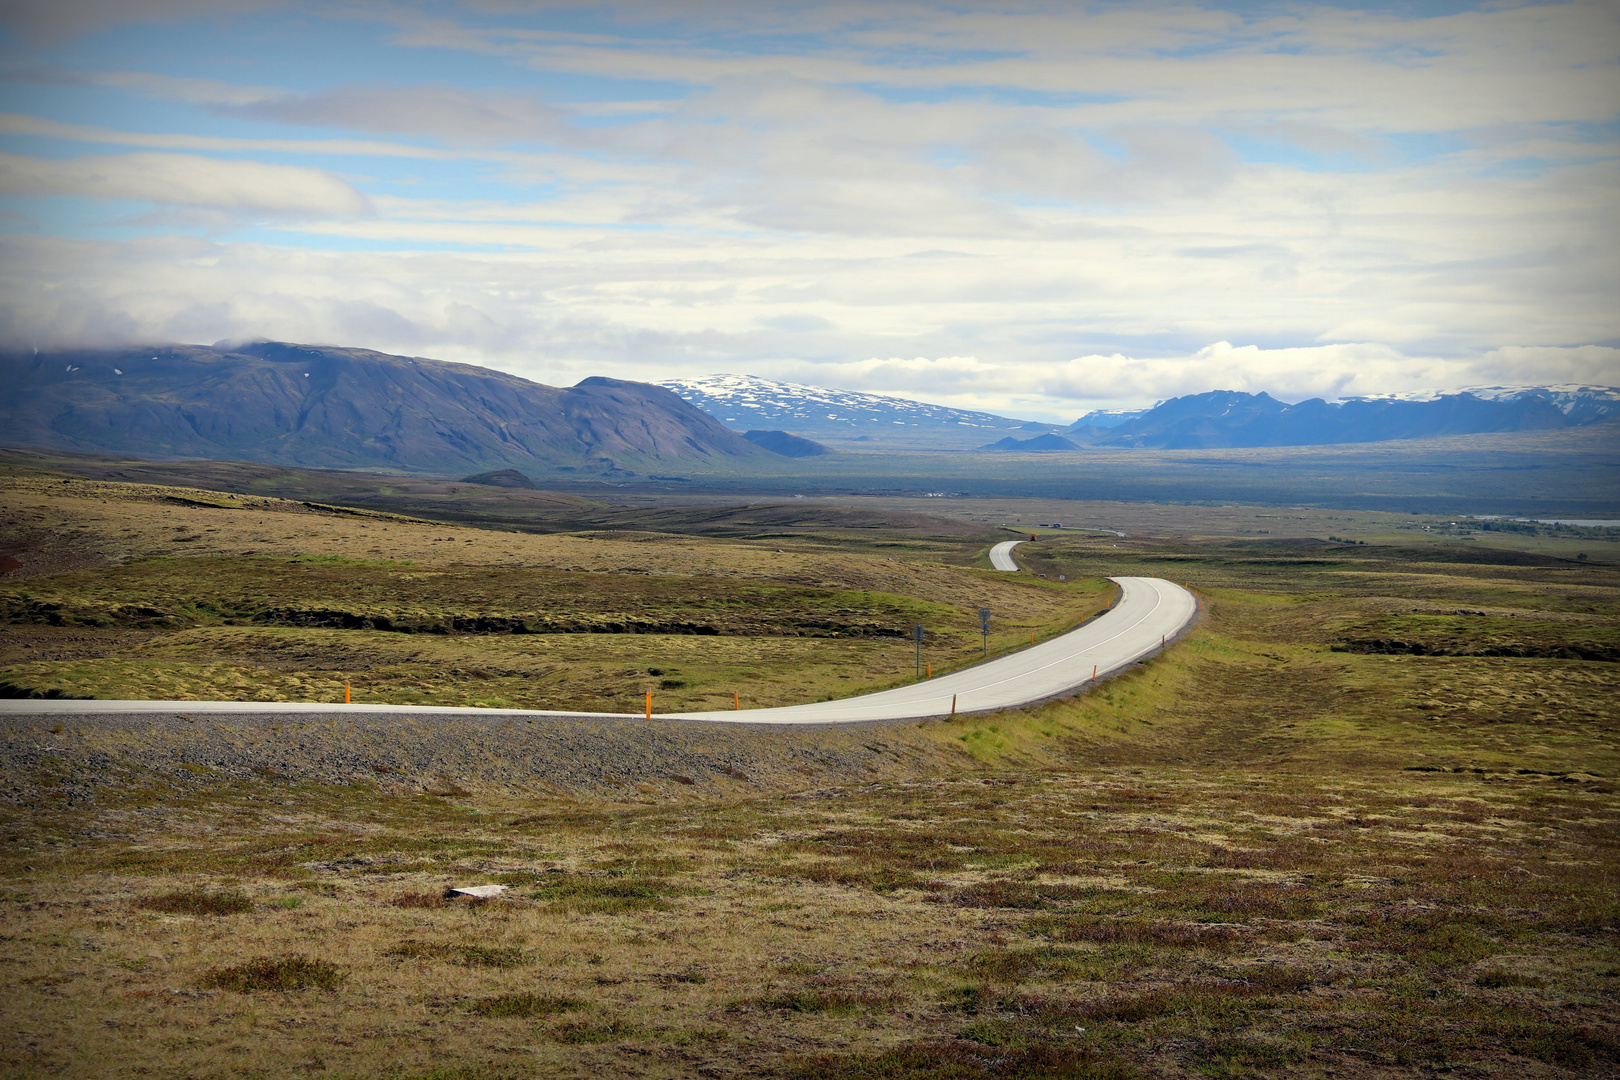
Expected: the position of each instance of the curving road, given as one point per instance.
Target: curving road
(1149, 612)
(1001, 555)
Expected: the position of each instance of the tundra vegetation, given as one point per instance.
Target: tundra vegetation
(1361, 821)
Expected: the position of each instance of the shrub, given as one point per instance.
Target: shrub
(608, 894)
(832, 1002)
(587, 1032)
(469, 955)
(523, 1005)
(197, 903)
(880, 879)
(1135, 931)
(1496, 980)
(280, 974)
(959, 1060)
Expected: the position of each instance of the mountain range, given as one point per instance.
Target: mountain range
(1227, 418)
(1217, 419)
(342, 408)
(845, 416)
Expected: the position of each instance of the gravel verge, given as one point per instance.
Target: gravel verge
(87, 758)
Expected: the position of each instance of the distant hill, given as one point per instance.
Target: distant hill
(745, 402)
(780, 442)
(1040, 444)
(1229, 418)
(501, 478)
(317, 406)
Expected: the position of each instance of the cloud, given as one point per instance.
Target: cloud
(651, 322)
(187, 91)
(18, 124)
(1333, 372)
(1042, 205)
(53, 20)
(187, 180)
(456, 116)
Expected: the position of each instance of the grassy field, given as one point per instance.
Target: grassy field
(1363, 821)
(147, 591)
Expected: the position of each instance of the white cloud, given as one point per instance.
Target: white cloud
(52, 20)
(1016, 192)
(655, 322)
(1118, 380)
(186, 180)
(18, 124)
(457, 116)
(188, 91)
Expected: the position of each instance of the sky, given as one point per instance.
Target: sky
(1031, 208)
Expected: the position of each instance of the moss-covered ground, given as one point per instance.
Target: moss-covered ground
(1274, 850)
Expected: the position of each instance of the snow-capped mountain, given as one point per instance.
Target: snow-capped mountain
(1578, 401)
(745, 402)
(1107, 418)
(1231, 418)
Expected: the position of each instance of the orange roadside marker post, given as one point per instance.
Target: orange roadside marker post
(930, 671)
(649, 704)
(345, 693)
(736, 701)
(1093, 672)
(953, 704)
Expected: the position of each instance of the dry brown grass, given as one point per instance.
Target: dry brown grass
(1254, 856)
(140, 591)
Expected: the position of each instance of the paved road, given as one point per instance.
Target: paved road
(1001, 555)
(1149, 610)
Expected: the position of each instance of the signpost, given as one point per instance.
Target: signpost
(984, 628)
(917, 634)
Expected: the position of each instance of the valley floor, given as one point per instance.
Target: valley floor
(1362, 822)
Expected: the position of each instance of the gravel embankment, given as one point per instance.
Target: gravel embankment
(81, 759)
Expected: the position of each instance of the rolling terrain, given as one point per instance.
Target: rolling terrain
(1362, 820)
(1569, 473)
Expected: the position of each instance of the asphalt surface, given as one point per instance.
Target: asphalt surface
(1149, 613)
(1001, 556)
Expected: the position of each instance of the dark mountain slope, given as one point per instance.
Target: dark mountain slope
(344, 408)
(783, 444)
(1040, 444)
